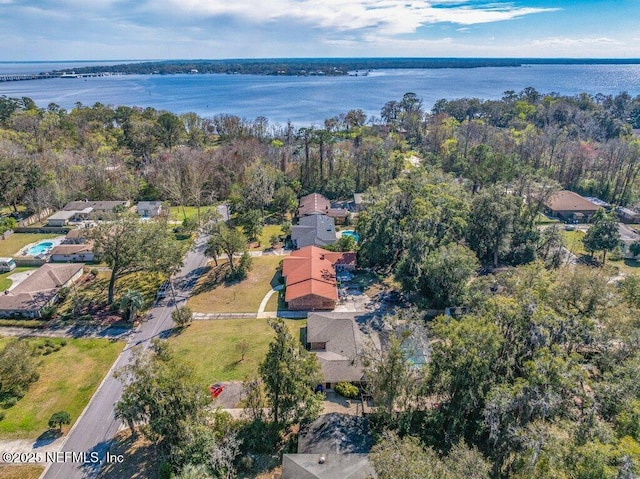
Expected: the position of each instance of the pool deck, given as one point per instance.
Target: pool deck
(55, 241)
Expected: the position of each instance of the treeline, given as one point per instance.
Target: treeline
(50, 155)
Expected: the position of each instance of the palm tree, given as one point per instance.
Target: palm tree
(131, 301)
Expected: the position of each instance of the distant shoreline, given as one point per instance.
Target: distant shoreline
(324, 66)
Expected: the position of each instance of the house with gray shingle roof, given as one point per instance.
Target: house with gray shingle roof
(337, 340)
(314, 230)
(40, 289)
(334, 446)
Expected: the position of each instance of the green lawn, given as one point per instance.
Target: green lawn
(5, 282)
(213, 295)
(210, 347)
(264, 240)
(573, 241)
(15, 242)
(177, 213)
(68, 379)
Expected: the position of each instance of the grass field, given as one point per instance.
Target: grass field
(15, 242)
(68, 379)
(573, 241)
(210, 347)
(214, 295)
(30, 471)
(177, 213)
(5, 282)
(265, 238)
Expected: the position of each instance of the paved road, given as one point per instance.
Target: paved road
(97, 426)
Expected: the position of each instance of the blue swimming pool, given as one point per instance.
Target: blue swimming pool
(351, 233)
(40, 248)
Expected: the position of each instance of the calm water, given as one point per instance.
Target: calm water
(310, 100)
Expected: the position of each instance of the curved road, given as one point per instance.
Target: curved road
(95, 428)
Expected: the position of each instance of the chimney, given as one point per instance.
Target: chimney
(322, 460)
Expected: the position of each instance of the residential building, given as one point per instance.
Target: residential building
(84, 210)
(310, 278)
(40, 289)
(316, 204)
(316, 230)
(628, 237)
(150, 209)
(60, 218)
(334, 446)
(76, 236)
(337, 340)
(570, 206)
(96, 206)
(628, 215)
(360, 201)
(72, 253)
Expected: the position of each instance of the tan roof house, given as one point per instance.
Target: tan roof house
(570, 206)
(40, 289)
(72, 253)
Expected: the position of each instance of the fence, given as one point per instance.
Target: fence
(45, 213)
(63, 230)
(29, 261)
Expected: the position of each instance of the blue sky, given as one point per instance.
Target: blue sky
(165, 29)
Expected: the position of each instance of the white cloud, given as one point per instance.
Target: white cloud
(576, 42)
(391, 16)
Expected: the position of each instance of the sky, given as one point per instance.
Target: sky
(216, 29)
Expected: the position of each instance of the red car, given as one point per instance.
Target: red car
(216, 390)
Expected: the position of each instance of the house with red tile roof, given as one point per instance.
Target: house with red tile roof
(310, 277)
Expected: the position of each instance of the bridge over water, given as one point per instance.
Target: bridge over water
(45, 76)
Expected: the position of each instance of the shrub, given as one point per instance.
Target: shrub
(94, 271)
(182, 316)
(347, 390)
(58, 419)
(47, 312)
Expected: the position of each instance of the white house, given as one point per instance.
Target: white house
(149, 209)
(72, 253)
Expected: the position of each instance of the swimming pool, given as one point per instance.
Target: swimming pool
(41, 248)
(351, 233)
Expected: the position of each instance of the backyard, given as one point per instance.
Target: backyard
(17, 241)
(68, 379)
(573, 242)
(213, 294)
(211, 347)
